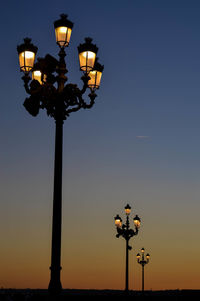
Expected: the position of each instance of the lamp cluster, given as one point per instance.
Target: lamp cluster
(142, 260)
(48, 90)
(124, 229)
(47, 71)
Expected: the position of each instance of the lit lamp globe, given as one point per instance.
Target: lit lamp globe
(63, 29)
(118, 221)
(95, 76)
(87, 55)
(138, 256)
(38, 73)
(127, 209)
(142, 250)
(137, 221)
(147, 256)
(26, 52)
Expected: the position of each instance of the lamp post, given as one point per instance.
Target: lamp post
(143, 262)
(125, 231)
(48, 90)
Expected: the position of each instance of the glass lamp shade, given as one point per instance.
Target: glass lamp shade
(95, 76)
(148, 256)
(118, 221)
(137, 221)
(63, 29)
(142, 250)
(38, 71)
(27, 52)
(127, 209)
(39, 76)
(138, 256)
(87, 55)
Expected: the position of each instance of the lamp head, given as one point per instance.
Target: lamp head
(63, 29)
(95, 76)
(137, 221)
(118, 221)
(26, 52)
(127, 209)
(87, 55)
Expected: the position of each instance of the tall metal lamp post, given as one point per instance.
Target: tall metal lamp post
(143, 262)
(125, 231)
(47, 89)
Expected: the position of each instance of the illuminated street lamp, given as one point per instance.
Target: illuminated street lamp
(125, 231)
(48, 90)
(143, 262)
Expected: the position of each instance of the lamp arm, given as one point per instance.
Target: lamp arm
(85, 78)
(26, 78)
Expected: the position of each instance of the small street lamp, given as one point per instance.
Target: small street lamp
(47, 89)
(142, 262)
(125, 231)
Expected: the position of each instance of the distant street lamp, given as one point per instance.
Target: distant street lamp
(47, 90)
(142, 262)
(125, 231)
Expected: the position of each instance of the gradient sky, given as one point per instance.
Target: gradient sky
(139, 144)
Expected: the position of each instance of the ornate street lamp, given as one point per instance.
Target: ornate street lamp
(143, 262)
(125, 231)
(48, 90)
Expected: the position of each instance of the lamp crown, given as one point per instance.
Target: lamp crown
(27, 40)
(88, 40)
(88, 46)
(27, 46)
(63, 16)
(63, 21)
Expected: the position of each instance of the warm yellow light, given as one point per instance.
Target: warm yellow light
(37, 75)
(26, 60)
(63, 35)
(137, 222)
(87, 60)
(127, 211)
(138, 256)
(95, 79)
(118, 223)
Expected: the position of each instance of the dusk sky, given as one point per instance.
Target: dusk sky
(139, 144)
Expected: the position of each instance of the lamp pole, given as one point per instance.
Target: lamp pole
(125, 231)
(47, 90)
(143, 262)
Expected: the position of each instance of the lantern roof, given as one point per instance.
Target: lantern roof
(27, 46)
(87, 46)
(63, 21)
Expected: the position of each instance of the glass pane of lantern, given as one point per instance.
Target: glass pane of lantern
(95, 79)
(63, 35)
(137, 223)
(26, 60)
(87, 59)
(118, 223)
(37, 75)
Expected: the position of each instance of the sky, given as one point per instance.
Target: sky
(139, 144)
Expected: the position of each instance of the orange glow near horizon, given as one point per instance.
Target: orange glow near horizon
(92, 261)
